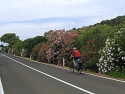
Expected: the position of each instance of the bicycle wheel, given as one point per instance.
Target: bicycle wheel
(72, 69)
(79, 71)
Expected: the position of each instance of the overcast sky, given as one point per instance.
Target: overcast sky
(30, 18)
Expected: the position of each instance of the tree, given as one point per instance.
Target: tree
(115, 21)
(28, 44)
(17, 47)
(9, 37)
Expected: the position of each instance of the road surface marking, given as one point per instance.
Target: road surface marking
(86, 73)
(109, 78)
(1, 87)
(52, 77)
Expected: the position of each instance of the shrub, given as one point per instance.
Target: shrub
(113, 54)
(59, 47)
(117, 74)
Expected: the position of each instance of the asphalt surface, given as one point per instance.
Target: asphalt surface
(22, 76)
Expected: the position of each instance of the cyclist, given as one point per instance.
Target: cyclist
(76, 55)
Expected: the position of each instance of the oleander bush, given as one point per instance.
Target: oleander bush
(59, 46)
(112, 59)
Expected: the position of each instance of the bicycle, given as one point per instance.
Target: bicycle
(78, 67)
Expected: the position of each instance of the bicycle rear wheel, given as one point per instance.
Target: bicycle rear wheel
(79, 71)
(72, 69)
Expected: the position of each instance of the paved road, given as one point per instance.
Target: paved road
(21, 76)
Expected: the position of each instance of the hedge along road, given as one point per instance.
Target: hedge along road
(22, 76)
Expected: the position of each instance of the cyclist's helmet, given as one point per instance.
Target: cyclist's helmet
(74, 48)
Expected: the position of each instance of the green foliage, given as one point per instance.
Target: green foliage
(42, 52)
(120, 38)
(17, 47)
(28, 44)
(117, 74)
(14, 42)
(69, 63)
(115, 21)
(92, 39)
(9, 37)
(35, 51)
(46, 34)
(5, 49)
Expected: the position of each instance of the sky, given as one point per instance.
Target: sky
(30, 18)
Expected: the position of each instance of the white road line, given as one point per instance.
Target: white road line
(1, 87)
(109, 78)
(53, 77)
(87, 73)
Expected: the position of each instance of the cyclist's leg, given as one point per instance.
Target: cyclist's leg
(74, 62)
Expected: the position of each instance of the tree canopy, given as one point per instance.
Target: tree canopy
(28, 44)
(9, 37)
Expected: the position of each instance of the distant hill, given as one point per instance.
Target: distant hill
(114, 22)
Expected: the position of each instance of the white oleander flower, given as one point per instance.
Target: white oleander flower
(119, 49)
(123, 58)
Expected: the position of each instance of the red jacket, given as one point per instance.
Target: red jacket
(76, 53)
